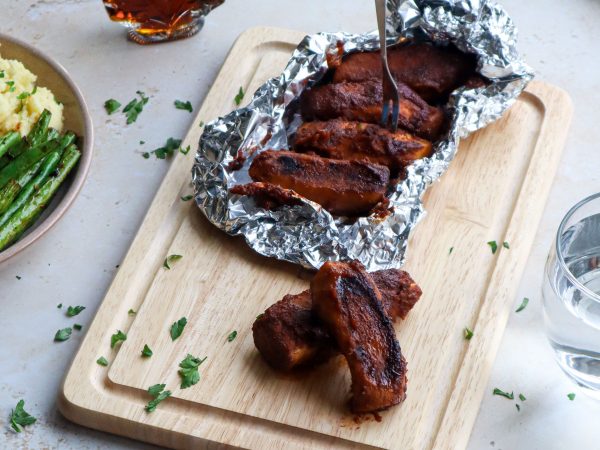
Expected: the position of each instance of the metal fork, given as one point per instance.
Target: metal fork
(390, 90)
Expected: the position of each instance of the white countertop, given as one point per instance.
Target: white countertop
(75, 263)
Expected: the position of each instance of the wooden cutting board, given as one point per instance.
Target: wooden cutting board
(496, 189)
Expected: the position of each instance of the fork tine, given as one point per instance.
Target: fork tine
(395, 112)
(385, 113)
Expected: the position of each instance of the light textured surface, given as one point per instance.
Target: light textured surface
(75, 263)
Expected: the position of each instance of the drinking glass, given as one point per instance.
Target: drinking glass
(571, 294)
(152, 21)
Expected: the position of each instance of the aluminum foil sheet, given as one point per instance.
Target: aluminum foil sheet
(306, 234)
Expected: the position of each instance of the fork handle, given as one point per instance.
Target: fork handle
(380, 8)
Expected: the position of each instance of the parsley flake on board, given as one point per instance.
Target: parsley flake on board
(505, 244)
(177, 328)
(20, 418)
(111, 105)
(168, 149)
(239, 97)
(232, 336)
(119, 336)
(187, 198)
(72, 311)
(157, 391)
(522, 397)
(133, 109)
(468, 333)
(518, 406)
(131, 312)
(102, 361)
(201, 124)
(147, 351)
(523, 305)
(186, 106)
(77, 327)
(184, 151)
(494, 246)
(510, 396)
(451, 250)
(63, 335)
(189, 371)
(571, 396)
(59, 306)
(170, 259)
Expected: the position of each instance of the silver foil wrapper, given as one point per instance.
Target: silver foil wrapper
(306, 234)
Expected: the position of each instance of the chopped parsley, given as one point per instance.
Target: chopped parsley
(59, 305)
(187, 198)
(142, 142)
(494, 246)
(522, 397)
(201, 124)
(451, 250)
(20, 418)
(468, 333)
(260, 315)
(111, 105)
(74, 310)
(157, 391)
(63, 335)
(133, 109)
(102, 361)
(523, 305)
(232, 336)
(119, 336)
(518, 406)
(147, 351)
(170, 259)
(131, 312)
(239, 97)
(189, 371)
(23, 95)
(1, 73)
(571, 396)
(11, 86)
(510, 396)
(187, 106)
(505, 244)
(184, 151)
(18, 277)
(177, 328)
(168, 149)
(77, 327)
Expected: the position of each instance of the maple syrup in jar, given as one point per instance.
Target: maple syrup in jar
(152, 21)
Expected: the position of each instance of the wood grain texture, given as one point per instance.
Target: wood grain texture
(495, 189)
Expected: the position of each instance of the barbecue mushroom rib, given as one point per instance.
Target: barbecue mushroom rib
(363, 102)
(288, 335)
(341, 139)
(345, 188)
(432, 72)
(348, 302)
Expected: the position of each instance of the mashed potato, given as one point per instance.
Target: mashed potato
(22, 113)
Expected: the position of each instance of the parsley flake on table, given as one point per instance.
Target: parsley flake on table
(571, 396)
(468, 333)
(170, 259)
(157, 391)
(63, 335)
(20, 418)
(102, 361)
(501, 393)
(239, 97)
(131, 312)
(494, 246)
(186, 106)
(147, 351)
(77, 327)
(522, 397)
(168, 149)
(72, 311)
(133, 109)
(189, 371)
(119, 336)
(111, 105)
(187, 198)
(523, 305)
(505, 244)
(232, 336)
(177, 328)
